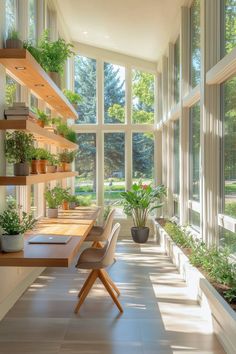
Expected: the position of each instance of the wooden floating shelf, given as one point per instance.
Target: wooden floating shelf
(34, 179)
(25, 69)
(40, 134)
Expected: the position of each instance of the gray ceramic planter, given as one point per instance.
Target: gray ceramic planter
(12, 243)
(21, 169)
(52, 213)
(140, 234)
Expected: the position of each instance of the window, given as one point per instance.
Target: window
(194, 219)
(85, 164)
(176, 70)
(176, 167)
(194, 134)
(11, 90)
(229, 23)
(143, 97)
(143, 157)
(85, 85)
(33, 102)
(195, 54)
(10, 16)
(32, 21)
(114, 93)
(114, 167)
(228, 160)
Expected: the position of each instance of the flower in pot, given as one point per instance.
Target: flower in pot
(66, 199)
(73, 97)
(43, 118)
(52, 163)
(42, 156)
(34, 161)
(14, 227)
(18, 148)
(13, 40)
(66, 158)
(138, 202)
(54, 198)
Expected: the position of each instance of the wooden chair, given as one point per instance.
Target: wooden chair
(99, 234)
(97, 259)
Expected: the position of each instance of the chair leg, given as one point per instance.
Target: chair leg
(110, 281)
(97, 244)
(89, 285)
(85, 284)
(109, 289)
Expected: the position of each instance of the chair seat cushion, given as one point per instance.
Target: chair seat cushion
(91, 258)
(95, 234)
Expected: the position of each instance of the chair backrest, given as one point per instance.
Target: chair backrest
(108, 225)
(110, 247)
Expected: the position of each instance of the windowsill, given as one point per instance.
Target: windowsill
(227, 222)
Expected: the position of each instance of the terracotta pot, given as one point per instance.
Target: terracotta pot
(21, 169)
(66, 167)
(60, 169)
(42, 166)
(65, 205)
(40, 123)
(14, 43)
(51, 169)
(55, 77)
(12, 243)
(34, 167)
(52, 213)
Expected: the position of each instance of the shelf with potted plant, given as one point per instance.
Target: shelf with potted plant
(39, 133)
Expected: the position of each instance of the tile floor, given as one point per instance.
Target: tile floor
(159, 317)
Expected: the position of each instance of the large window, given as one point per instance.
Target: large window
(32, 21)
(176, 168)
(176, 70)
(85, 164)
(114, 167)
(143, 156)
(195, 54)
(229, 158)
(11, 16)
(85, 85)
(114, 93)
(143, 97)
(229, 25)
(194, 163)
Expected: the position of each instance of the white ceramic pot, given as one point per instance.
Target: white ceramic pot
(12, 243)
(52, 213)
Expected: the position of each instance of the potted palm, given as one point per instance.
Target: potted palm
(54, 198)
(138, 203)
(18, 148)
(14, 227)
(66, 158)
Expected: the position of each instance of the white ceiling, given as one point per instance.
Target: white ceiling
(140, 28)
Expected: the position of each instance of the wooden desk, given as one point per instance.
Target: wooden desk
(76, 223)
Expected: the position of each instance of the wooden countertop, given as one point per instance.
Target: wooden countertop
(76, 223)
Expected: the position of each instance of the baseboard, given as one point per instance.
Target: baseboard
(16, 293)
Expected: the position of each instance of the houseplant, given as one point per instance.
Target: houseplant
(42, 156)
(73, 97)
(62, 128)
(52, 163)
(138, 202)
(73, 201)
(34, 161)
(66, 158)
(13, 40)
(71, 135)
(19, 148)
(14, 227)
(66, 197)
(43, 118)
(54, 198)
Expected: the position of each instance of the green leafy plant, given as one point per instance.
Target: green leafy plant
(18, 146)
(54, 197)
(67, 156)
(179, 235)
(71, 135)
(42, 154)
(83, 200)
(73, 97)
(12, 34)
(51, 56)
(42, 116)
(141, 200)
(53, 160)
(62, 128)
(230, 294)
(12, 224)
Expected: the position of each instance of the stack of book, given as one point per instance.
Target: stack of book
(18, 111)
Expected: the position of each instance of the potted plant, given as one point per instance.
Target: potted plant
(43, 118)
(62, 128)
(14, 227)
(66, 199)
(73, 97)
(13, 40)
(34, 162)
(71, 135)
(66, 158)
(138, 202)
(72, 202)
(51, 56)
(18, 148)
(52, 163)
(42, 156)
(54, 198)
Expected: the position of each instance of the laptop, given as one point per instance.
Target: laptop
(50, 239)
